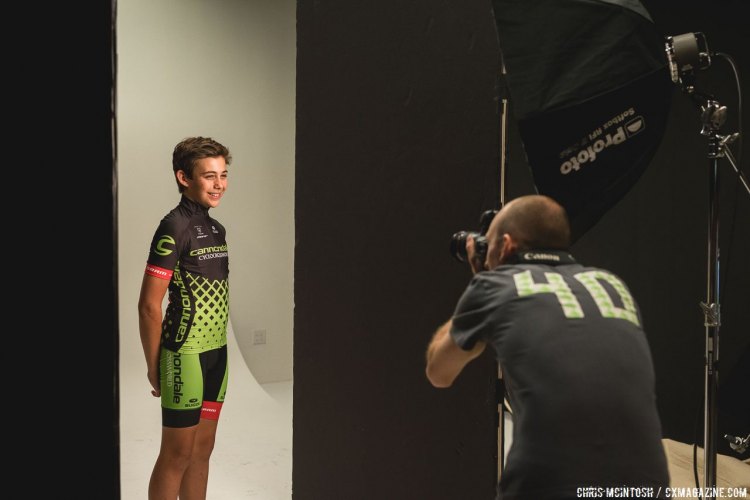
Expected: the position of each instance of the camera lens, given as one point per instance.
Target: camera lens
(458, 240)
(458, 245)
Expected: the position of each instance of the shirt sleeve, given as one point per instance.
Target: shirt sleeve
(472, 319)
(164, 252)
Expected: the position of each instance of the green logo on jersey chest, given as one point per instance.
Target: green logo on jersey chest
(205, 250)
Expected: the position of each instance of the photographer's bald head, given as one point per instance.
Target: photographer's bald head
(525, 223)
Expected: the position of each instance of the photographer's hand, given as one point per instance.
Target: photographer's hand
(475, 261)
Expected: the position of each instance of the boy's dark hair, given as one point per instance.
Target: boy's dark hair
(188, 151)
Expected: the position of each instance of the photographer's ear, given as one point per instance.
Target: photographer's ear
(508, 248)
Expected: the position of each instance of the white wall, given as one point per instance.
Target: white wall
(225, 69)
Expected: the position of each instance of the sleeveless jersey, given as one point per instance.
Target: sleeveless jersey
(189, 249)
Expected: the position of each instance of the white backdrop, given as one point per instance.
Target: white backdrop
(224, 69)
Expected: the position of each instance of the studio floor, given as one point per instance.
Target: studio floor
(252, 457)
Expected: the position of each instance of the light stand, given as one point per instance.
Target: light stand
(500, 383)
(711, 307)
(686, 53)
(713, 117)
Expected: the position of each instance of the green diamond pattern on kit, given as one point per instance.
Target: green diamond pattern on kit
(211, 307)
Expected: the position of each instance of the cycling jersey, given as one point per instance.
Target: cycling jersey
(189, 249)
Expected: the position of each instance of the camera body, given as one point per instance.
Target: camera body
(458, 240)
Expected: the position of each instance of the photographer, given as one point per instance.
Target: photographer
(575, 359)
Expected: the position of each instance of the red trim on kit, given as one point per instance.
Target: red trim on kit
(211, 410)
(158, 272)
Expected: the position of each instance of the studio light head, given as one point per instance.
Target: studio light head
(687, 53)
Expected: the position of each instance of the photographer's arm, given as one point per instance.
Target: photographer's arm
(445, 359)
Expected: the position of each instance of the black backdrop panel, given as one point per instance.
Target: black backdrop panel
(397, 148)
(62, 275)
(397, 141)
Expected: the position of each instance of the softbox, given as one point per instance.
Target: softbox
(589, 86)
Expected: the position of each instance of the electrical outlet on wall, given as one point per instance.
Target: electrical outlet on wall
(259, 337)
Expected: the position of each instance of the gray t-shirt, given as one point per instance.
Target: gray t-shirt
(579, 375)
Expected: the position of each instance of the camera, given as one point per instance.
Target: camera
(458, 240)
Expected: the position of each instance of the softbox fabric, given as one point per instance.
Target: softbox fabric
(589, 86)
